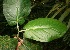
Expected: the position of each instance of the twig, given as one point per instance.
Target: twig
(68, 26)
(17, 24)
(58, 11)
(64, 15)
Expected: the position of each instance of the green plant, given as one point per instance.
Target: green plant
(41, 29)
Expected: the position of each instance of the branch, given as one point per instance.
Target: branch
(68, 26)
(17, 24)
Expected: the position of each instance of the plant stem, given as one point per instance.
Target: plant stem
(17, 24)
(18, 31)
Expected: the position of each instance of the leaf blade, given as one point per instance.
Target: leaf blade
(44, 29)
(10, 10)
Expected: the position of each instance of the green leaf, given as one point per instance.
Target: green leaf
(44, 29)
(16, 8)
(7, 43)
(30, 45)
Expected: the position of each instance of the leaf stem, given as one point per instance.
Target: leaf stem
(22, 30)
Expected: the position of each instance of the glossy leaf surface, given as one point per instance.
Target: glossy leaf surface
(44, 29)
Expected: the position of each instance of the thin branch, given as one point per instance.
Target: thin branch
(17, 24)
(55, 7)
(58, 11)
(68, 26)
(64, 15)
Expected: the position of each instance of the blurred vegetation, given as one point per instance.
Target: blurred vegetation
(40, 8)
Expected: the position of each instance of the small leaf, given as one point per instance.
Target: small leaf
(16, 8)
(65, 14)
(44, 29)
(7, 43)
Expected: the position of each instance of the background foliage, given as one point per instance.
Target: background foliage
(40, 8)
